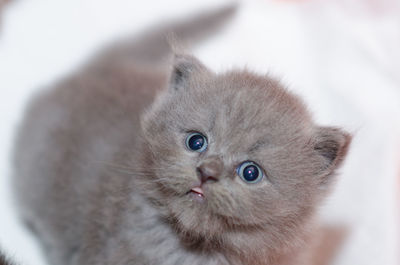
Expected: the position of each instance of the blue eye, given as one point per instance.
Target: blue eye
(250, 172)
(196, 142)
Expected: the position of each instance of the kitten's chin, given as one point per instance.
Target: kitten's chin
(192, 216)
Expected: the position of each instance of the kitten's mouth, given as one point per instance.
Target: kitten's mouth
(197, 194)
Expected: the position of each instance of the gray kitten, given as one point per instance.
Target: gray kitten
(132, 162)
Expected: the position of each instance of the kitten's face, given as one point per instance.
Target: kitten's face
(236, 150)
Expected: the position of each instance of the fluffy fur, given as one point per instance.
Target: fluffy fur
(103, 174)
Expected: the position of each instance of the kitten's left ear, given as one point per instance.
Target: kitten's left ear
(331, 144)
(184, 68)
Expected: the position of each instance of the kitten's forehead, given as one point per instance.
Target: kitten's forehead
(244, 105)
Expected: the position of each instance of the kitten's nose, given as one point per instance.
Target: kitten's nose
(210, 169)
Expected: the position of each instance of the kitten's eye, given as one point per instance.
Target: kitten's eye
(250, 172)
(196, 142)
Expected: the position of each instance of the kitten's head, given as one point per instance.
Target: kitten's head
(236, 151)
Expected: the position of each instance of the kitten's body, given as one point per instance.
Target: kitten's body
(102, 183)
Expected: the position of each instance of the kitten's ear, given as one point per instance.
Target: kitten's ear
(184, 68)
(331, 144)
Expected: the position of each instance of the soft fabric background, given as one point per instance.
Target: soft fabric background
(342, 57)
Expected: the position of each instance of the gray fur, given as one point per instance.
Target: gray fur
(102, 171)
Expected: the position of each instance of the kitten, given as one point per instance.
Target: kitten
(127, 162)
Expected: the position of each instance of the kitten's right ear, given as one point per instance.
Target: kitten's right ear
(184, 68)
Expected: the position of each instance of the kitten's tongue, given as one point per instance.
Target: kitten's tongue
(197, 190)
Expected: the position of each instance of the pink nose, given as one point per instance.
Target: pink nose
(210, 169)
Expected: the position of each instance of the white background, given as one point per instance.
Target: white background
(342, 57)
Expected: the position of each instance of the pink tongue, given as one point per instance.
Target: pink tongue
(198, 190)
